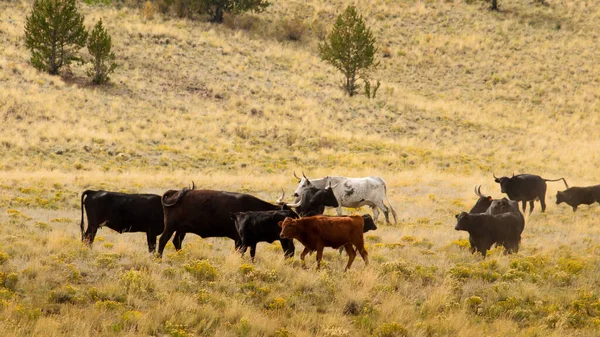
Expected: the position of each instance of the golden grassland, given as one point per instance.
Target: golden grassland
(465, 92)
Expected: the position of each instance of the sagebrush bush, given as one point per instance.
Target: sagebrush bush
(292, 29)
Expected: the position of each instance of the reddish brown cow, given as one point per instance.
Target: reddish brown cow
(318, 232)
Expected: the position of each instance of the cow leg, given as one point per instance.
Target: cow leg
(530, 207)
(288, 248)
(375, 213)
(302, 255)
(151, 238)
(178, 240)
(164, 238)
(339, 210)
(351, 255)
(473, 245)
(386, 211)
(252, 252)
(319, 255)
(574, 208)
(90, 234)
(543, 203)
(363, 254)
(243, 249)
(524, 203)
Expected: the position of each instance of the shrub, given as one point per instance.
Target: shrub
(149, 10)
(99, 45)
(202, 270)
(54, 32)
(390, 330)
(216, 8)
(350, 48)
(292, 30)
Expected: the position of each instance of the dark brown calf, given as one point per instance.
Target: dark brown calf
(318, 232)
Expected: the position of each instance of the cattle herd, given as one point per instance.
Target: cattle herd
(248, 220)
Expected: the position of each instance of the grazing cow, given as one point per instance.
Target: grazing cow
(352, 192)
(255, 227)
(576, 196)
(485, 229)
(314, 200)
(206, 213)
(123, 212)
(318, 232)
(526, 187)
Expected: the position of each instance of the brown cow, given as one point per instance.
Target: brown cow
(318, 232)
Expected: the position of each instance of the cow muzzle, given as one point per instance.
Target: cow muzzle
(295, 195)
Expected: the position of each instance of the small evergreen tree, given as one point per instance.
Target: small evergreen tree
(54, 32)
(216, 8)
(99, 45)
(350, 48)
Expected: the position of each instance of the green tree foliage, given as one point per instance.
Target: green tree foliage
(350, 48)
(54, 32)
(216, 8)
(99, 45)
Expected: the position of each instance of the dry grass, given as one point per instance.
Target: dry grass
(465, 92)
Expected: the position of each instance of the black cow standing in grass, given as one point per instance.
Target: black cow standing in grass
(123, 212)
(206, 213)
(576, 196)
(487, 205)
(486, 229)
(526, 187)
(261, 226)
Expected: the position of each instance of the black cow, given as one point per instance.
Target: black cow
(314, 200)
(526, 187)
(255, 227)
(488, 205)
(576, 196)
(486, 229)
(123, 212)
(206, 213)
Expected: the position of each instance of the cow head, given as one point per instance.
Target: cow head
(463, 221)
(501, 206)
(504, 182)
(369, 223)
(288, 228)
(482, 203)
(303, 184)
(562, 197)
(329, 197)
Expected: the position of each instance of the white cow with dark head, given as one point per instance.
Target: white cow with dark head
(352, 192)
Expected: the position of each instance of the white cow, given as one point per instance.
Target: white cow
(352, 192)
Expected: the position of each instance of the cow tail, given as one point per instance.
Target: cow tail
(81, 224)
(563, 179)
(390, 204)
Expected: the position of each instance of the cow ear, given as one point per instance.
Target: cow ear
(280, 223)
(489, 198)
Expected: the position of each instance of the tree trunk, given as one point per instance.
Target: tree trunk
(494, 6)
(218, 18)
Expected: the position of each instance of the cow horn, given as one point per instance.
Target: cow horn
(334, 186)
(307, 180)
(296, 204)
(477, 190)
(193, 186)
(280, 200)
(494, 175)
(296, 175)
(513, 174)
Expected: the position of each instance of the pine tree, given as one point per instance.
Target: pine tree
(54, 32)
(350, 48)
(99, 45)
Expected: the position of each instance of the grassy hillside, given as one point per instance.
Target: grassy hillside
(465, 93)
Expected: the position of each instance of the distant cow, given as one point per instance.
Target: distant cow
(352, 192)
(123, 212)
(526, 187)
(576, 196)
(262, 226)
(486, 229)
(206, 213)
(318, 232)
